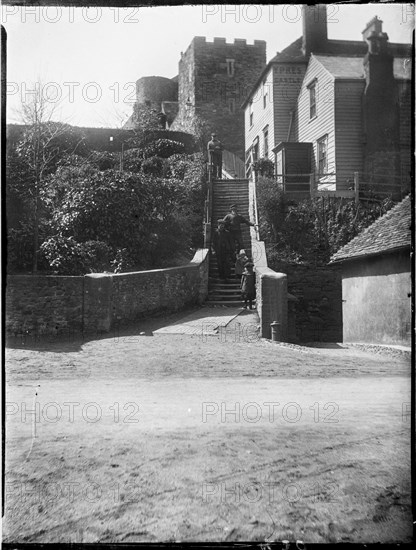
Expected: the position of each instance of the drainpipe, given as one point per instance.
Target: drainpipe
(292, 115)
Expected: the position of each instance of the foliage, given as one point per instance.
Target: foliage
(271, 204)
(90, 216)
(164, 148)
(145, 120)
(116, 220)
(104, 160)
(313, 229)
(133, 159)
(67, 256)
(201, 131)
(155, 166)
(264, 167)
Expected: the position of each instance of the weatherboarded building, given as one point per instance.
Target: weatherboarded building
(344, 104)
(376, 280)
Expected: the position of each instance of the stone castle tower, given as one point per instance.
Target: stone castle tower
(214, 79)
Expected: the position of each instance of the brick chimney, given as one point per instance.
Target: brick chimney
(315, 32)
(380, 108)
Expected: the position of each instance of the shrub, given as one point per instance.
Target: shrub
(264, 167)
(67, 256)
(313, 229)
(164, 148)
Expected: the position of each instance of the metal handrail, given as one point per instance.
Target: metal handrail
(256, 214)
(208, 211)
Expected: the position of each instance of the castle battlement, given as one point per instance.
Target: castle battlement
(221, 41)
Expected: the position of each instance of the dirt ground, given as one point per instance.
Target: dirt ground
(141, 438)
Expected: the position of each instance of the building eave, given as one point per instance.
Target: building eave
(365, 256)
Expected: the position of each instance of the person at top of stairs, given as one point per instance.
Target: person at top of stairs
(233, 222)
(223, 246)
(215, 156)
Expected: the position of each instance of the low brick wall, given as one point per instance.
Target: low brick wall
(98, 302)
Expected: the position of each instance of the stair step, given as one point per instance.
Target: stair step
(224, 286)
(227, 303)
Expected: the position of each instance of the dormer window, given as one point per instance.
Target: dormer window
(230, 67)
(312, 99)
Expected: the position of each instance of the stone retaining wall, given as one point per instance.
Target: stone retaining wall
(98, 302)
(318, 305)
(37, 304)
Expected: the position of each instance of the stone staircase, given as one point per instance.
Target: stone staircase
(225, 193)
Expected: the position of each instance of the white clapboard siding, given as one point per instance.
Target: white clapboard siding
(348, 130)
(312, 130)
(262, 116)
(287, 83)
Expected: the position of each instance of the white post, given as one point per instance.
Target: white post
(312, 184)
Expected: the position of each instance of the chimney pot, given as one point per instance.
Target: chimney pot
(374, 25)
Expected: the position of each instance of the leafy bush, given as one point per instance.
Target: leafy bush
(66, 255)
(164, 148)
(264, 167)
(313, 229)
(272, 205)
(154, 166)
(92, 217)
(133, 159)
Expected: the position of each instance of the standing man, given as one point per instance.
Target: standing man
(215, 156)
(232, 222)
(223, 246)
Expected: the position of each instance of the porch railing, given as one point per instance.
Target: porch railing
(358, 186)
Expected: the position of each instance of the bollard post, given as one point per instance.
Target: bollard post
(276, 329)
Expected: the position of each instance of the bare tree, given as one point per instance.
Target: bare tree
(39, 149)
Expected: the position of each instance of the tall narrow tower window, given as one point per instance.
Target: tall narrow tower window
(230, 67)
(231, 105)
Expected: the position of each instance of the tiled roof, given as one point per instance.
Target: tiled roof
(291, 53)
(352, 67)
(388, 233)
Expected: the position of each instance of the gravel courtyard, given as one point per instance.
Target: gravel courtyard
(139, 437)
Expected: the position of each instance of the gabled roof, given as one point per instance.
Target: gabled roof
(292, 54)
(389, 233)
(344, 48)
(352, 67)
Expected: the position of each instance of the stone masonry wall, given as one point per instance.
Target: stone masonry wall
(318, 308)
(98, 302)
(212, 92)
(43, 304)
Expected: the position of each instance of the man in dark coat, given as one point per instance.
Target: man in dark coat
(223, 246)
(215, 156)
(233, 222)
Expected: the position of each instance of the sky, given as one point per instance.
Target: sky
(88, 59)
